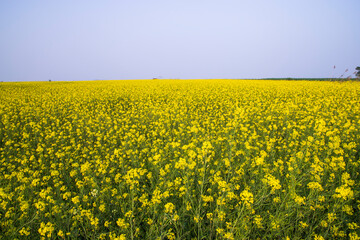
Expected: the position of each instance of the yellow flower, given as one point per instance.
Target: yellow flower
(247, 198)
(353, 226)
(40, 206)
(315, 186)
(272, 182)
(229, 236)
(25, 231)
(102, 207)
(348, 209)
(170, 235)
(61, 234)
(299, 200)
(176, 217)
(24, 206)
(46, 229)
(66, 195)
(318, 237)
(169, 208)
(219, 230)
(258, 221)
(303, 224)
(353, 236)
(75, 200)
(344, 192)
(276, 200)
(331, 217)
(207, 198)
(221, 215)
(275, 225)
(121, 223)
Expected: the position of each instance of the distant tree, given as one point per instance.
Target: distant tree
(358, 71)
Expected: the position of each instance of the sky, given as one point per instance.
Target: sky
(177, 39)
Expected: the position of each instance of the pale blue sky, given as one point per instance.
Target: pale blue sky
(142, 39)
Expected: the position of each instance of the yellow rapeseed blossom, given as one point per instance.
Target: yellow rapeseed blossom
(318, 237)
(272, 182)
(46, 229)
(247, 198)
(315, 186)
(195, 159)
(344, 192)
(169, 208)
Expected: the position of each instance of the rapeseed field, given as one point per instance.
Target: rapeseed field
(172, 159)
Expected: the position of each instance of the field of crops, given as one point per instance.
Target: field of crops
(172, 159)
